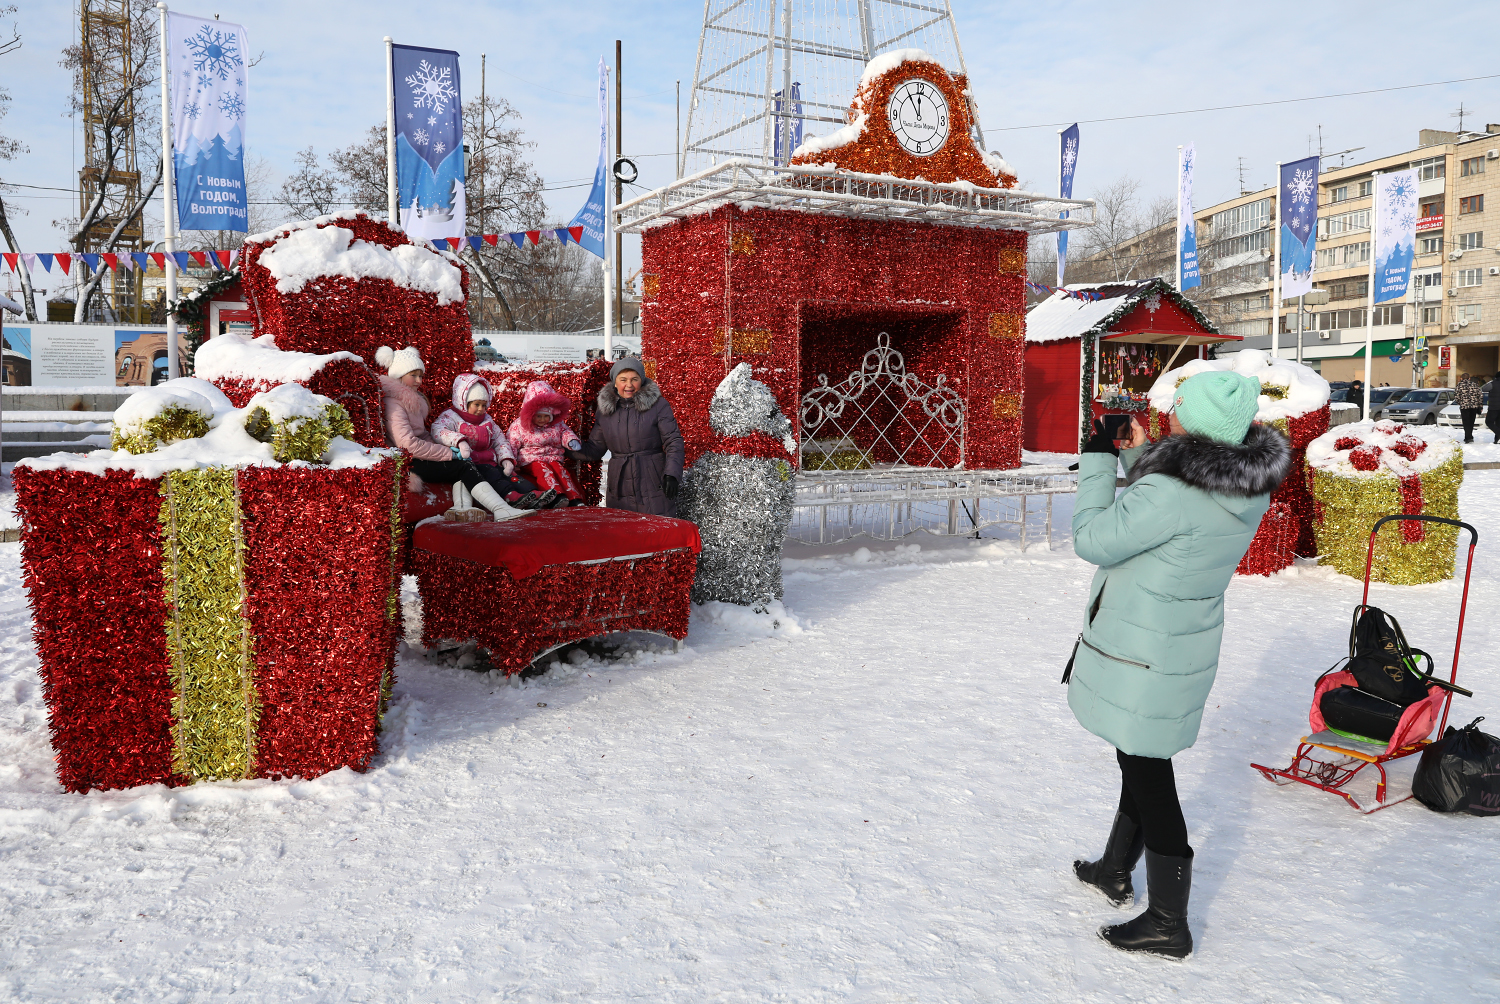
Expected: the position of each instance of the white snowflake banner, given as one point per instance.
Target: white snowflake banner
(1297, 208)
(1187, 230)
(1395, 233)
(1067, 163)
(429, 142)
(209, 81)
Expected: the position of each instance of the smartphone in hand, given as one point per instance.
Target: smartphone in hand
(1117, 427)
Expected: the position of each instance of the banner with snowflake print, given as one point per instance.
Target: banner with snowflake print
(1299, 225)
(1395, 232)
(429, 142)
(1068, 155)
(591, 216)
(1187, 231)
(209, 78)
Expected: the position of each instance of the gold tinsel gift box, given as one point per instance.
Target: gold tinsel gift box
(1367, 470)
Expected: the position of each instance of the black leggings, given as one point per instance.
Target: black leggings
(445, 472)
(1148, 796)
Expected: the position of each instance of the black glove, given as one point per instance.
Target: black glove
(581, 457)
(669, 486)
(1100, 441)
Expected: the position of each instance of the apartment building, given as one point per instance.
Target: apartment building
(1452, 307)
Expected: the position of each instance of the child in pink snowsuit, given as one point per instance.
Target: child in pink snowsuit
(540, 434)
(467, 427)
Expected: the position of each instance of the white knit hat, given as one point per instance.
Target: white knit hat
(477, 392)
(398, 364)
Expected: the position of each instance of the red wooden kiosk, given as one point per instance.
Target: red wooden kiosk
(1097, 349)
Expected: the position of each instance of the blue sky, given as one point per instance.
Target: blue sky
(322, 80)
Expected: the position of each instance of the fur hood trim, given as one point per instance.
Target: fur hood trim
(1254, 467)
(645, 398)
(540, 394)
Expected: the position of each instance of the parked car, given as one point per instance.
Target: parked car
(1419, 407)
(1382, 397)
(1451, 419)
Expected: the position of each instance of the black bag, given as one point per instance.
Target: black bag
(1354, 712)
(1382, 662)
(1460, 773)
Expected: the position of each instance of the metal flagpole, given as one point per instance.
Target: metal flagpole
(1370, 309)
(1177, 238)
(1058, 239)
(1276, 266)
(393, 211)
(168, 199)
(609, 292)
(619, 190)
(1301, 306)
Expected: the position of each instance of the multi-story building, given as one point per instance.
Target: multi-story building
(1453, 302)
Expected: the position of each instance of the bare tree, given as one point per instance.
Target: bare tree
(312, 190)
(360, 169)
(10, 148)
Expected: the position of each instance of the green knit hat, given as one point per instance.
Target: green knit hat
(1217, 405)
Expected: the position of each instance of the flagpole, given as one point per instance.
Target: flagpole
(1370, 310)
(1177, 238)
(168, 195)
(1058, 239)
(392, 210)
(609, 293)
(1276, 267)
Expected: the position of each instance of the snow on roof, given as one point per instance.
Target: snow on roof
(1303, 390)
(1387, 448)
(310, 252)
(888, 61)
(236, 357)
(1062, 316)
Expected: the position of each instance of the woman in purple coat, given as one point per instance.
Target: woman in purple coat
(636, 426)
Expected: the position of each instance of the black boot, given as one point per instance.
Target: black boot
(1111, 873)
(1163, 928)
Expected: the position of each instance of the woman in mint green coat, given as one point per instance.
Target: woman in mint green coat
(1145, 662)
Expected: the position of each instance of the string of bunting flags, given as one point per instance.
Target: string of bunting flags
(221, 260)
(1077, 294)
(519, 238)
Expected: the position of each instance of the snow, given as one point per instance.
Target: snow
(1437, 446)
(1061, 316)
(838, 138)
(888, 61)
(236, 357)
(310, 253)
(873, 793)
(1305, 390)
(131, 417)
(289, 401)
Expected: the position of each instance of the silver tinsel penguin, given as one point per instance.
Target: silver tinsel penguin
(742, 505)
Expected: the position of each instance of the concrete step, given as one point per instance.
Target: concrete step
(75, 399)
(20, 450)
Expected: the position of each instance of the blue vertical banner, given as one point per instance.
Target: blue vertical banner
(1068, 161)
(429, 142)
(209, 78)
(795, 130)
(1395, 226)
(1298, 212)
(591, 216)
(1187, 231)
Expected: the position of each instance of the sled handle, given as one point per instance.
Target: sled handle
(1463, 604)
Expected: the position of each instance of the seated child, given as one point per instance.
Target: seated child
(467, 427)
(540, 435)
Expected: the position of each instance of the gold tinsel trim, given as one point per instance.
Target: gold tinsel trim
(744, 341)
(172, 424)
(650, 286)
(1350, 507)
(300, 437)
(1003, 326)
(742, 242)
(214, 705)
(393, 598)
(1012, 260)
(1007, 404)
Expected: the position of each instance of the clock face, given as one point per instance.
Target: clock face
(918, 115)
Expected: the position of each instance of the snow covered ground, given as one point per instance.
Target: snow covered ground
(874, 795)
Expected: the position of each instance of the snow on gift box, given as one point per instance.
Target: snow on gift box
(204, 610)
(243, 367)
(1294, 399)
(1366, 470)
(349, 283)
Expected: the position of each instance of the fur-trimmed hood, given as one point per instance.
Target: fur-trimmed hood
(541, 394)
(1245, 470)
(643, 401)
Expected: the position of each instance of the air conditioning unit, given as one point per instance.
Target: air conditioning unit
(1492, 155)
(1325, 335)
(1453, 326)
(1494, 270)
(1453, 292)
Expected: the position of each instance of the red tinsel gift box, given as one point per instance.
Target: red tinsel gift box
(319, 582)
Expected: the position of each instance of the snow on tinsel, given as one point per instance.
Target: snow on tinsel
(297, 423)
(1366, 470)
(167, 413)
(742, 505)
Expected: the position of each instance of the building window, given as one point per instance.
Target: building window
(1432, 315)
(1240, 220)
(1432, 206)
(1467, 314)
(1345, 223)
(1427, 279)
(1258, 241)
(1340, 194)
(1348, 290)
(1470, 276)
(1249, 329)
(1471, 242)
(1430, 245)
(1431, 168)
(1344, 256)
(1341, 318)
(1471, 204)
(1470, 167)
(1390, 315)
(1365, 188)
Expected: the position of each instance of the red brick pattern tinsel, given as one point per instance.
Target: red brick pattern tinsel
(801, 294)
(579, 381)
(319, 574)
(336, 313)
(518, 621)
(91, 557)
(351, 384)
(1274, 546)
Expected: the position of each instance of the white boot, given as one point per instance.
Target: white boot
(486, 496)
(461, 499)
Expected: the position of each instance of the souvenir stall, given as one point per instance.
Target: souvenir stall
(1093, 350)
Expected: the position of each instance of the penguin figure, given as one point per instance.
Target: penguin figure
(742, 504)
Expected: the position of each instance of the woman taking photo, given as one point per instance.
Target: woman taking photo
(636, 426)
(1143, 666)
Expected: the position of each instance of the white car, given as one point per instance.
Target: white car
(1450, 418)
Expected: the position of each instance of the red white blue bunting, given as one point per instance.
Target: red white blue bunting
(1077, 294)
(220, 260)
(519, 238)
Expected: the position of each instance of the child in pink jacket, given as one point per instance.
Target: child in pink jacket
(466, 426)
(541, 435)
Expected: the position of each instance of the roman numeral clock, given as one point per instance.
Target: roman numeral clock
(910, 118)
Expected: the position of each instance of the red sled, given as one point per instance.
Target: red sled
(1312, 764)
